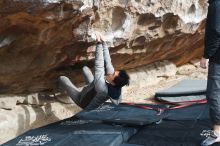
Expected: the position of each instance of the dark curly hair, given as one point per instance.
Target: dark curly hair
(122, 79)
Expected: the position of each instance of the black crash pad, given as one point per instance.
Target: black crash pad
(132, 115)
(172, 133)
(178, 126)
(192, 112)
(75, 132)
(122, 114)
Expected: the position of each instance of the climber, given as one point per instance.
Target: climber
(99, 88)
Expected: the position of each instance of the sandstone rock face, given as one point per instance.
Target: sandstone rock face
(42, 39)
(35, 38)
(152, 30)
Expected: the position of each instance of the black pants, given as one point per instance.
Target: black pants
(213, 92)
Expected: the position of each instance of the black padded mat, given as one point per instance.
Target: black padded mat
(75, 132)
(172, 133)
(177, 126)
(193, 112)
(122, 114)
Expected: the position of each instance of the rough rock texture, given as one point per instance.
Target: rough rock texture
(42, 39)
